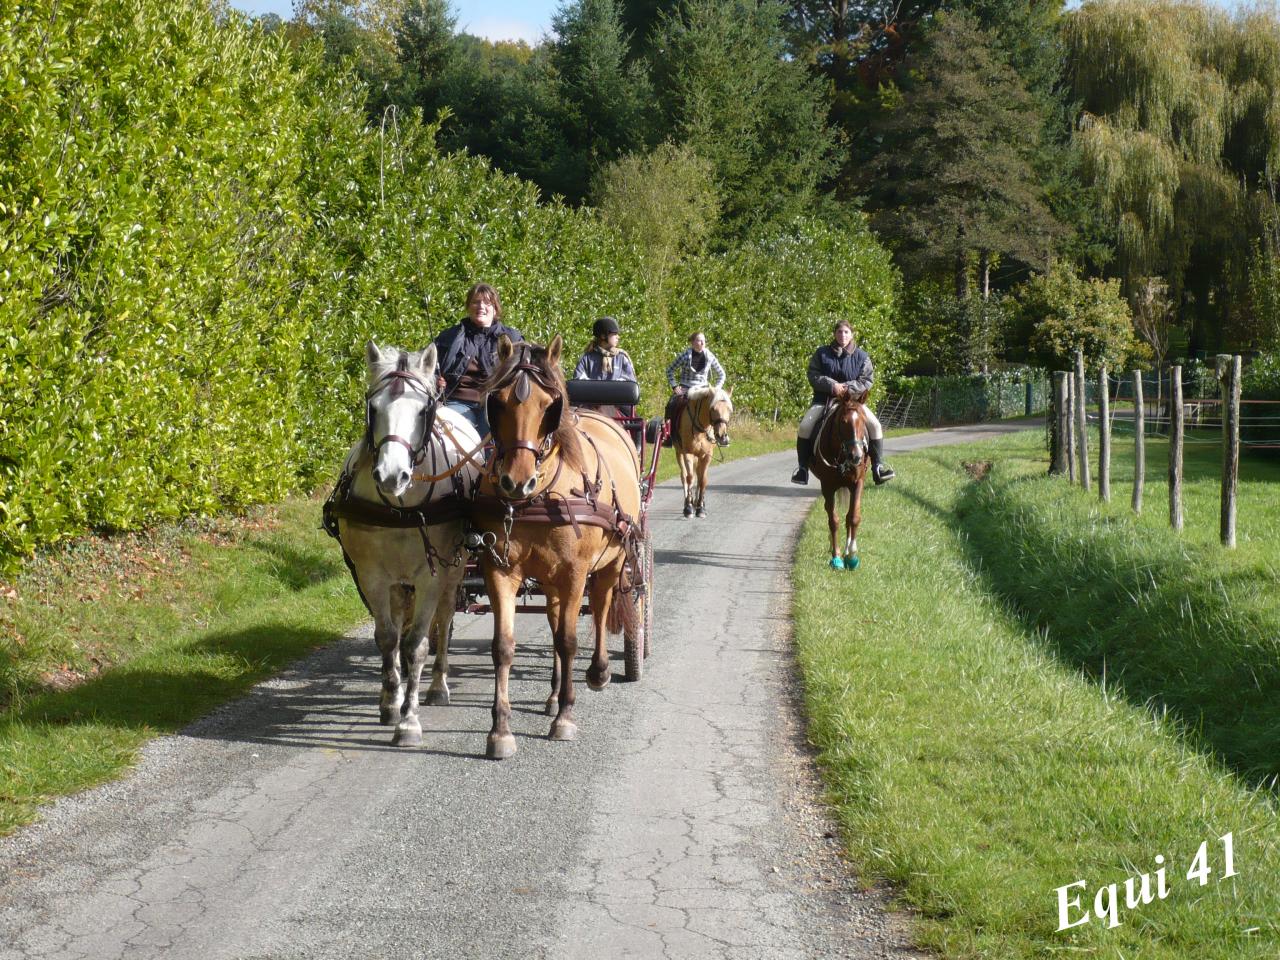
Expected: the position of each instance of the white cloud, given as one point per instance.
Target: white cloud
(502, 28)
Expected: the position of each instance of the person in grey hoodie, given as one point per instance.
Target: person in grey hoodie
(836, 370)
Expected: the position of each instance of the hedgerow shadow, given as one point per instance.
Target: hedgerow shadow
(1149, 617)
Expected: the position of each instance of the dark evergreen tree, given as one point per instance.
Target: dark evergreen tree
(756, 114)
(952, 183)
(428, 53)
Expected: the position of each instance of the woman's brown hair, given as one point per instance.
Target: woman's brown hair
(484, 290)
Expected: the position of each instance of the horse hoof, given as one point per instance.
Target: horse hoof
(851, 562)
(552, 706)
(500, 748)
(437, 698)
(837, 563)
(564, 730)
(407, 736)
(388, 715)
(688, 512)
(598, 679)
(702, 514)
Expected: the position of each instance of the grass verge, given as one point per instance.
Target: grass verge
(974, 752)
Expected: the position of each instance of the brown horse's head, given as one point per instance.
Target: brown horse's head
(528, 416)
(842, 443)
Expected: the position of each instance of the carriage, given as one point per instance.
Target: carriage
(616, 399)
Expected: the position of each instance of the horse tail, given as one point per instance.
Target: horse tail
(622, 612)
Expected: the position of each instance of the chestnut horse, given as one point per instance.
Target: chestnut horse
(840, 462)
(700, 427)
(558, 501)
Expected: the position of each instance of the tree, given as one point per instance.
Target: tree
(755, 115)
(604, 101)
(1154, 319)
(664, 203)
(1070, 313)
(953, 180)
(1178, 135)
(428, 53)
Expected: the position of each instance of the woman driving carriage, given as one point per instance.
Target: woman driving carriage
(468, 352)
(695, 367)
(836, 370)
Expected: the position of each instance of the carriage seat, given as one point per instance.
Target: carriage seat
(613, 398)
(617, 393)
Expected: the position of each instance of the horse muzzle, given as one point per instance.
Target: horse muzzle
(511, 488)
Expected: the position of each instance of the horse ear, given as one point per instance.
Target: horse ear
(553, 351)
(372, 353)
(729, 393)
(505, 348)
(427, 362)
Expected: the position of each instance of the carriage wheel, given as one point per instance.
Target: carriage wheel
(648, 598)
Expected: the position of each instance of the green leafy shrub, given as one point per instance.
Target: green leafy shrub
(1069, 313)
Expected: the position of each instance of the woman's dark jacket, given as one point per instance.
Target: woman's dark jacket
(456, 346)
(829, 366)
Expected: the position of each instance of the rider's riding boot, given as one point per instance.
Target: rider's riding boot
(881, 472)
(804, 450)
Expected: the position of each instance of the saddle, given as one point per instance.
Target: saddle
(676, 407)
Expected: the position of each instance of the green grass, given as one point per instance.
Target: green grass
(975, 753)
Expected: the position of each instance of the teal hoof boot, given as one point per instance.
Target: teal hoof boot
(837, 563)
(851, 562)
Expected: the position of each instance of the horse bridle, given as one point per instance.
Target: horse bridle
(847, 463)
(521, 373)
(396, 381)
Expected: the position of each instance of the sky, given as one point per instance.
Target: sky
(524, 20)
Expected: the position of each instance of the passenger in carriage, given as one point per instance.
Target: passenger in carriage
(604, 359)
(695, 367)
(468, 353)
(835, 371)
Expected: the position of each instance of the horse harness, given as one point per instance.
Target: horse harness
(582, 507)
(830, 415)
(342, 504)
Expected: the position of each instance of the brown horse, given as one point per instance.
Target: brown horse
(560, 498)
(699, 428)
(840, 462)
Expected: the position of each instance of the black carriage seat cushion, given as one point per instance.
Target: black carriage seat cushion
(619, 393)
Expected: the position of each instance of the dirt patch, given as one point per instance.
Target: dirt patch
(977, 469)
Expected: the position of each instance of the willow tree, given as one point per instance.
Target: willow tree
(1180, 132)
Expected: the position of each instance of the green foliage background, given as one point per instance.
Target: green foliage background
(199, 227)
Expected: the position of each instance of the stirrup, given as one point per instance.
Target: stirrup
(800, 476)
(882, 473)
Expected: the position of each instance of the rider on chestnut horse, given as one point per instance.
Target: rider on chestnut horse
(836, 370)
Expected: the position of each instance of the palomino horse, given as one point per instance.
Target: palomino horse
(398, 512)
(840, 462)
(700, 427)
(559, 501)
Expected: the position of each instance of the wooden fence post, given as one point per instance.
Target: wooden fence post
(1230, 449)
(1104, 436)
(1139, 442)
(1082, 422)
(1175, 447)
(1071, 426)
(1060, 425)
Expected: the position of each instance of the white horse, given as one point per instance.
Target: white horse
(398, 513)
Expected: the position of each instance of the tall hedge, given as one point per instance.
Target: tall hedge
(199, 229)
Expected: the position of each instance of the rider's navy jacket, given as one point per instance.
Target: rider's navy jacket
(828, 367)
(458, 344)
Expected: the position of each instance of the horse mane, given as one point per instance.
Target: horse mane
(565, 433)
(393, 358)
(716, 394)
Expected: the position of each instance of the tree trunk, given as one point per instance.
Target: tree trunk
(984, 268)
(962, 276)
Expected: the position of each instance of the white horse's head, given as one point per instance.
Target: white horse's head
(400, 409)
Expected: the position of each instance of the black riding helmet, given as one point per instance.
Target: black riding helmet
(605, 326)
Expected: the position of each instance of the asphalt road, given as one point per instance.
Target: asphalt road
(682, 823)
